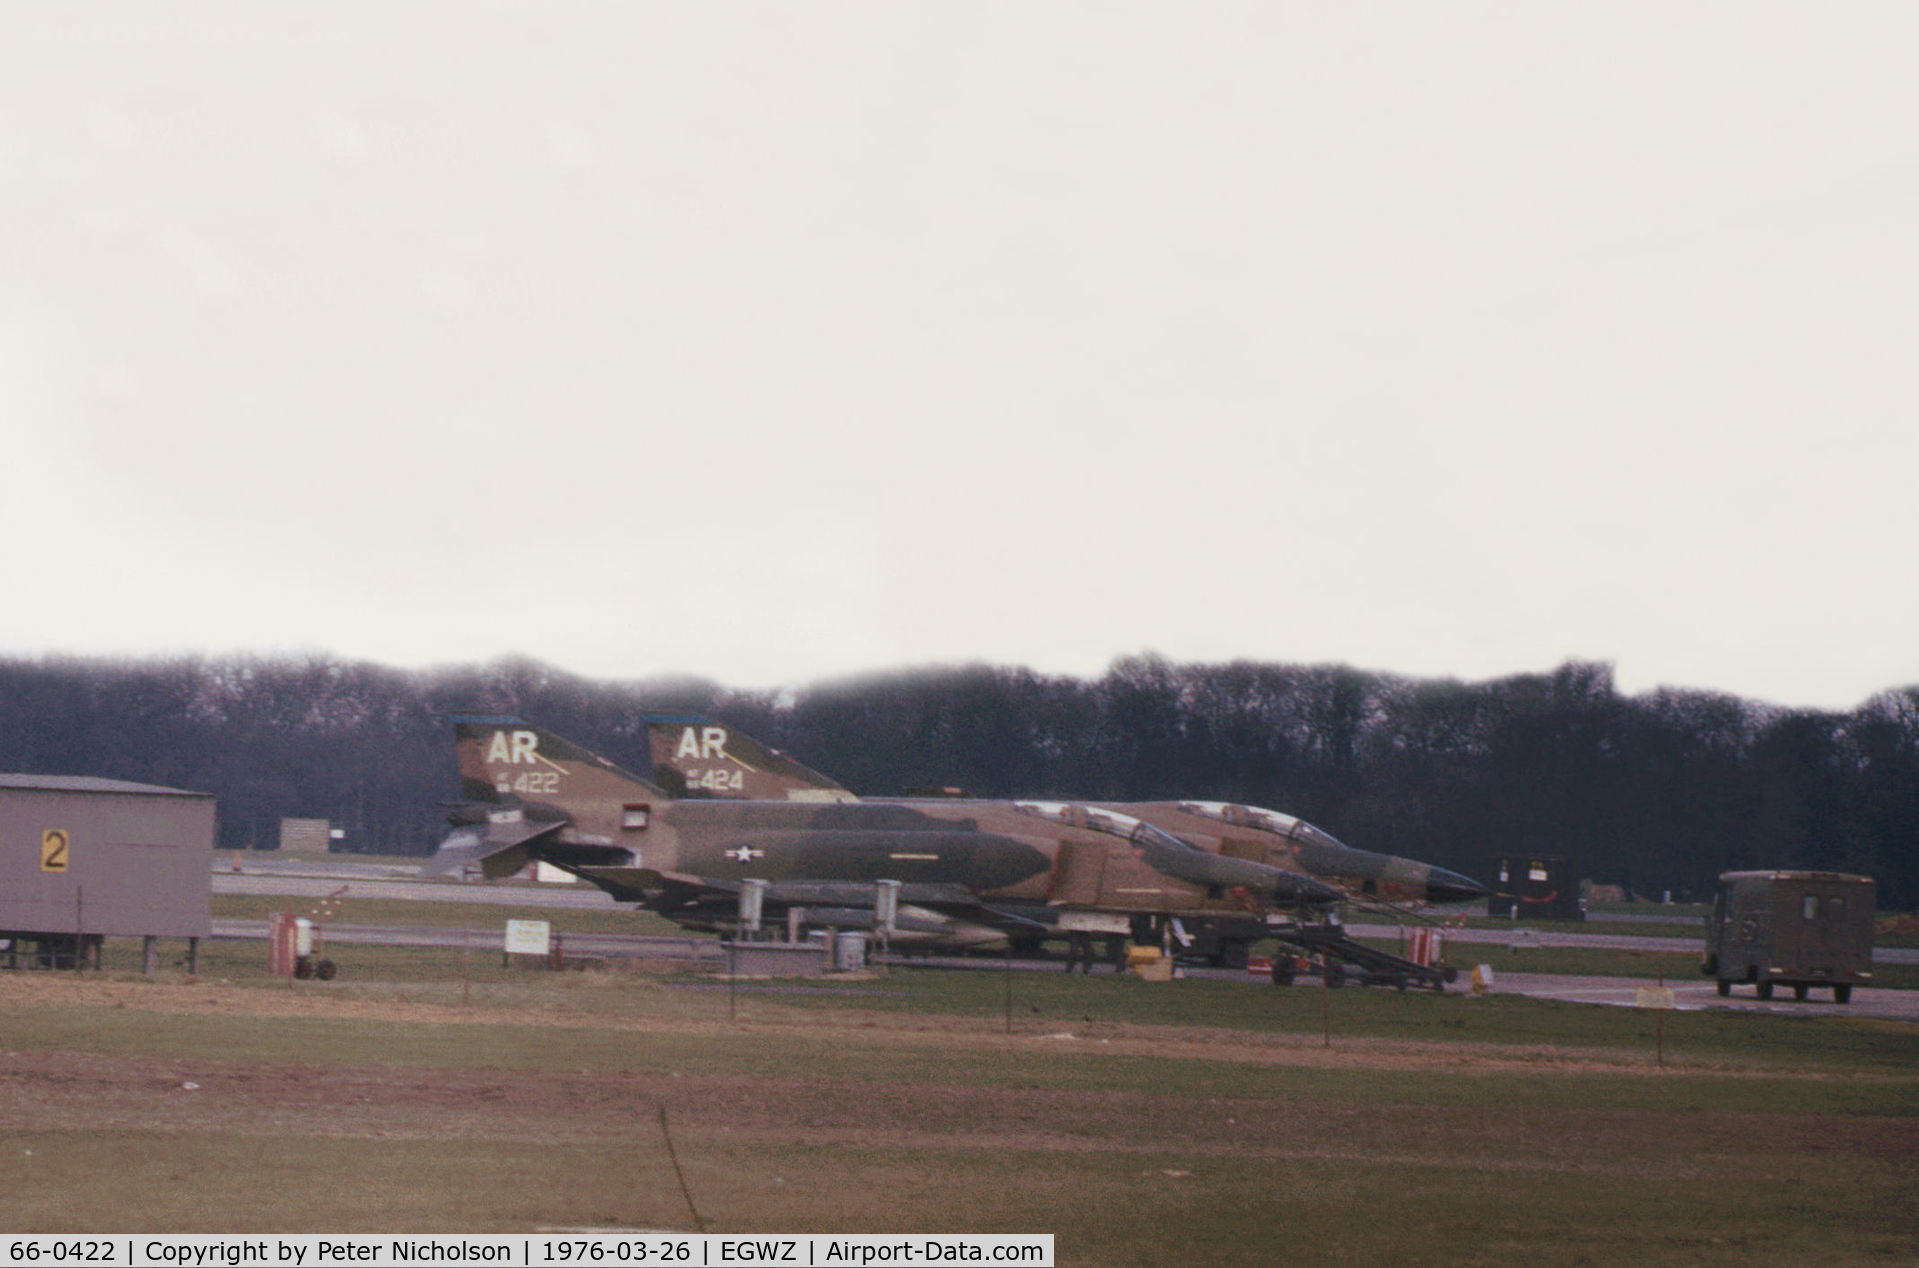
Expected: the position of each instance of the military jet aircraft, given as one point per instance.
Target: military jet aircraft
(700, 757)
(971, 873)
(704, 758)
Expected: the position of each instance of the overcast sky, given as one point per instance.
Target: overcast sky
(776, 342)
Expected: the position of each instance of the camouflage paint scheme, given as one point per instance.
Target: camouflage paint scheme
(1283, 841)
(973, 873)
(694, 756)
(716, 761)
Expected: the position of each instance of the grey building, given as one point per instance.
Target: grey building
(82, 859)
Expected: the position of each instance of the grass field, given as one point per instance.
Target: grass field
(1192, 1123)
(1669, 924)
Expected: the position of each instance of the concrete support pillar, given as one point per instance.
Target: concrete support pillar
(193, 956)
(149, 955)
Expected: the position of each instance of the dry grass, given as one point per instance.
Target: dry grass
(391, 1107)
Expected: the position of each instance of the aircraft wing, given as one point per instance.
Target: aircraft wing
(500, 848)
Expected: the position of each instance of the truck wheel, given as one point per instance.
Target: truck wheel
(1800, 990)
(1765, 990)
(324, 970)
(1725, 988)
(303, 968)
(1842, 994)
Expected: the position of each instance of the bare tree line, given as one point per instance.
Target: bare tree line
(1655, 792)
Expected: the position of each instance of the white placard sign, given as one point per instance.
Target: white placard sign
(528, 937)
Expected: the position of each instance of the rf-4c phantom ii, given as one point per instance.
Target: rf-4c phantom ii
(970, 874)
(702, 758)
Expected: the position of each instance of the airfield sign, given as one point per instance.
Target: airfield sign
(528, 937)
(55, 850)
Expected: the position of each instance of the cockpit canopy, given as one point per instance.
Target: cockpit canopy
(1263, 821)
(1098, 819)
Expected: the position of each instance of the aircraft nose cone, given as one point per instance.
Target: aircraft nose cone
(1443, 886)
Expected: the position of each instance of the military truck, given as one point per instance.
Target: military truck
(1797, 929)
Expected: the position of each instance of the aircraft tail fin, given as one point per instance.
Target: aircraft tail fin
(694, 756)
(508, 760)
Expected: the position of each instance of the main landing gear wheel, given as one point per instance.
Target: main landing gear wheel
(1725, 988)
(306, 966)
(1765, 990)
(1232, 954)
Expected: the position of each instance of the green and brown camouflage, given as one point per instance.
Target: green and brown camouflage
(972, 873)
(723, 762)
(694, 756)
(1284, 841)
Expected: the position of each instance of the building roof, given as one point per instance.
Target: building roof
(89, 784)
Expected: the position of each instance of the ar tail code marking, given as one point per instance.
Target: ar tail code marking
(519, 747)
(707, 744)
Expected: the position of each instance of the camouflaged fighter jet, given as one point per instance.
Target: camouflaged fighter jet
(700, 757)
(972, 873)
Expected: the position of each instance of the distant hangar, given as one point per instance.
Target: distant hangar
(82, 859)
